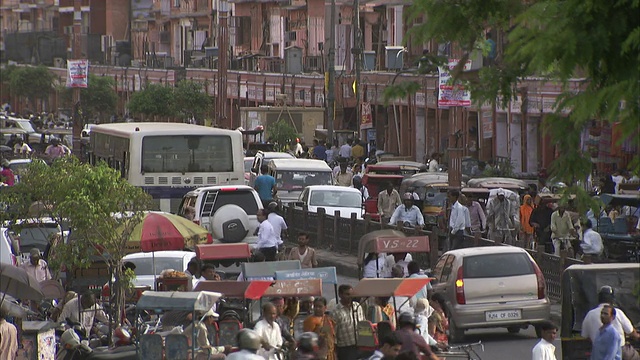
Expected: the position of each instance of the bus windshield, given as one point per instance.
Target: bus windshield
(187, 153)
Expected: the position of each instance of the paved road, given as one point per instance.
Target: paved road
(498, 343)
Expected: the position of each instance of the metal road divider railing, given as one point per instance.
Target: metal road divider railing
(332, 232)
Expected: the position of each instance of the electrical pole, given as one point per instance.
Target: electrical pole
(77, 54)
(331, 76)
(356, 50)
(223, 45)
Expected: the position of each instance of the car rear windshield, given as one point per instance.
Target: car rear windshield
(497, 265)
(144, 266)
(215, 200)
(37, 236)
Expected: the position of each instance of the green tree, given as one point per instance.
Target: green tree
(153, 100)
(282, 134)
(190, 100)
(31, 82)
(559, 40)
(92, 201)
(99, 98)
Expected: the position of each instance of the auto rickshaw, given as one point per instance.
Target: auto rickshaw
(235, 309)
(267, 270)
(515, 185)
(432, 189)
(296, 289)
(172, 346)
(397, 167)
(368, 333)
(620, 238)
(225, 257)
(580, 286)
(389, 242)
(376, 183)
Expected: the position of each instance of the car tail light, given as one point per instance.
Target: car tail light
(460, 287)
(540, 279)
(209, 238)
(229, 189)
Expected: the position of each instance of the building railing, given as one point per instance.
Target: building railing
(333, 232)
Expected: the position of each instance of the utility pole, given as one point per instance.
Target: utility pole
(223, 45)
(331, 75)
(77, 54)
(356, 50)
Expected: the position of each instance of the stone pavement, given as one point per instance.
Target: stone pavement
(347, 265)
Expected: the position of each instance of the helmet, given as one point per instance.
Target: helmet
(406, 318)
(249, 340)
(121, 336)
(308, 342)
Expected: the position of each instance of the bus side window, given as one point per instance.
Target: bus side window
(125, 165)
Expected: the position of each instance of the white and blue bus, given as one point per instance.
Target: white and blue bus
(169, 159)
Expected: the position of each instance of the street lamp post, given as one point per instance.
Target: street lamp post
(77, 54)
(223, 45)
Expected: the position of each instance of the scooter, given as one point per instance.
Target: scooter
(71, 348)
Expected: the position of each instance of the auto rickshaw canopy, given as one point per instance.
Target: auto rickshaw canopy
(295, 288)
(250, 290)
(390, 241)
(223, 251)
(178, 300)
(406, 287)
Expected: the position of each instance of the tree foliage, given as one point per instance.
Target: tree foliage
(187, 100)
(153, 100)
(100, 207)
(100, 97)
(31, 82)
(190, 101)
(594, 40)
(281, 133)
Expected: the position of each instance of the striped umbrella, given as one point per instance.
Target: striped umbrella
(160, 231)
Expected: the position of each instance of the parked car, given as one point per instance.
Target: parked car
(9, 251)
(332, 198)
(19, 166)
(228, 212)
(33, 233)
(149, 266)
(490, 287)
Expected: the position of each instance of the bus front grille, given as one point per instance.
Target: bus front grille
(176, 180)
(148, 180)
(163, 180)
(198, 180)
(212, 180)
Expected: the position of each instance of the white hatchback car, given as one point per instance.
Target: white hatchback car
(332, 198)
(163, 260)
(489, 287)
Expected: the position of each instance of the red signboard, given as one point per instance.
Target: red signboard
(400, 245)
(286, 288)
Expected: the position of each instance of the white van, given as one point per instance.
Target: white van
(294, 175)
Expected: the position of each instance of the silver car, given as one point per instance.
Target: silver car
(490, 287)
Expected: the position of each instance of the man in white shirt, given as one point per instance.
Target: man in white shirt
(36, 267)
(458, 221)
(345, 150)
(591, 241)
(592, 322)
(269, 332)
(544, 349)
(267, 242)
(433, 162)
(407, 213)
(83, 310)
(277, 222)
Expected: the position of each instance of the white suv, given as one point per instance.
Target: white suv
(228, 212)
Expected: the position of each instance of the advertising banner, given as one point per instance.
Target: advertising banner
(77, 73)
(449, 94)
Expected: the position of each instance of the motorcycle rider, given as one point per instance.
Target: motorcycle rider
(307, 347)
(249, 342)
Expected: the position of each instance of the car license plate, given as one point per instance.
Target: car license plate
(503, 315)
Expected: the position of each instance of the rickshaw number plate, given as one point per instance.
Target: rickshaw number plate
(503, 315)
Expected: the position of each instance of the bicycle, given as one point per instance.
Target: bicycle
(464, 351)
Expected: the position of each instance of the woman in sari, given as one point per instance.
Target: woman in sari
(323, 325)
(382, 311)
(438, 322)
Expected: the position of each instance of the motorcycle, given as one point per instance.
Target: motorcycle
(71, 348)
